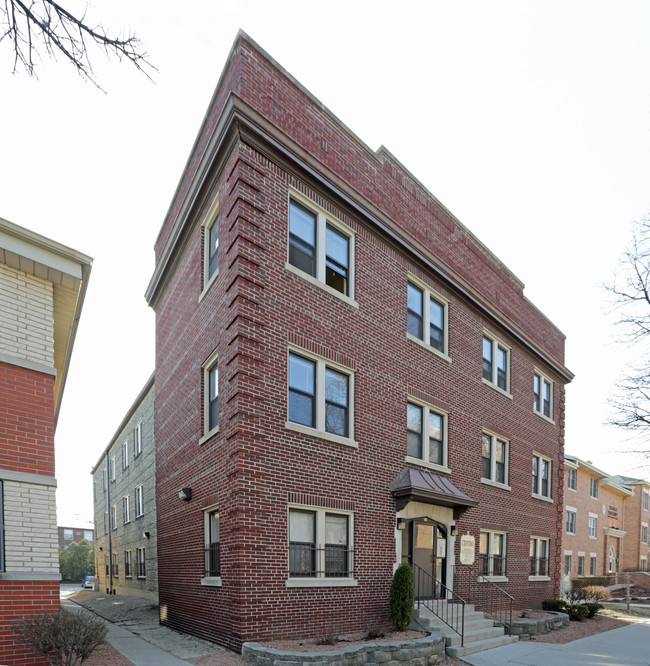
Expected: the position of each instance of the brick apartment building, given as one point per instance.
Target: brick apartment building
(42, 289)
(67, 535)
(636, 550)
(346, 378)
(124, 497)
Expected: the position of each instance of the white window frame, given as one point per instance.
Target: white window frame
(568, 559)
(538, 493)
(491, 480)
(320, 579)
(646, 500)
(141, 556)
(592, 564)
(490, 576)
(137, 439)
(125, 454)
(210, 581)
(210, 219)
(128, 564)
(581, 564)
(572, 474)
(67, 531)
(139, 501)
(593, 526)
(114, 517)
(112, 466)
(426, 409)
(429, 294)
(537, 540)
(543, 379)
(593, 487)
(89, 535)
(207, 367)
(643, 565)
(570, 511)
(323, 218)
(126, 508)
(496, 344)
(319, 431)
(644, 532)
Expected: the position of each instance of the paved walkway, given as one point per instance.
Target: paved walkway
(627, 646)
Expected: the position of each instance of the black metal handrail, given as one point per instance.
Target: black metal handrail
(436, 597)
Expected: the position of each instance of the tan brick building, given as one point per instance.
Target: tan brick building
(637, 516)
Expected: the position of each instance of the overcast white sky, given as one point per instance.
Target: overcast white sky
(530, 121)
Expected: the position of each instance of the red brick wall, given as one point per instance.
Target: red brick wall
(26, 420)
(250, 315)
(18, 600)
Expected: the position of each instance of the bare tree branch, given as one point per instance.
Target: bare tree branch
(30, 23)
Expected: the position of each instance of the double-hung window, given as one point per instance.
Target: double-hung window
(319, 396)
(320, 247)
(137, 440)
(114, 516)
(592, 565)
(593, 527)
(593, 487)
(646, 500)
(644, 533)
(126, 509)
(541, 477)
(125, 454)
(212, 548)
(539, 551)
(571, 480)
(570, 521)
(139, 502)
(492, 553)
(494, 459)
(320, 546)
(567, 564)
(581, 565)
(112, 466)
(543, 395)
(211, 245)
(426, 436)
(141, 563)
(210, 397)
(496, 362)
(128, 570)
(426, 316)
(116, 566)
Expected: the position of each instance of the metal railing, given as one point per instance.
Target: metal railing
(213, 560)
(485, 594)
(437, 598)
(308, 561)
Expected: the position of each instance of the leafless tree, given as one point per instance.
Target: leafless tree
(631, 294)
(33, 24)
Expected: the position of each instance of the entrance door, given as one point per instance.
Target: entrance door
(424, 545)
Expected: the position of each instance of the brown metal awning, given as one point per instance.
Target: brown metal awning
(414, 485)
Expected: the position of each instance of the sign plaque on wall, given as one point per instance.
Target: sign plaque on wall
(467, 549)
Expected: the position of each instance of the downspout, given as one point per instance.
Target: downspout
(109, 528)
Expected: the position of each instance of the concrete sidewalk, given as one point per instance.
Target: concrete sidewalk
(627, 646)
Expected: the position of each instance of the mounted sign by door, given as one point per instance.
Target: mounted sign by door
(467, 549)
(441, 547)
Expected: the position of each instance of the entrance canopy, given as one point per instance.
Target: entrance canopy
(414, 485)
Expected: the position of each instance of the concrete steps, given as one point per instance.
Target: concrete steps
(480, 631)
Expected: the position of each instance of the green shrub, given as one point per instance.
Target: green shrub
(402, 597)
(557, 605)
(596, 593)
(577, 612)
(593, 608)
(64, 639)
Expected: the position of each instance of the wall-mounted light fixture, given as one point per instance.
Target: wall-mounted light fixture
(145, 535)
(453, 530)
(101, 548)
(401, 524)
(185, 494)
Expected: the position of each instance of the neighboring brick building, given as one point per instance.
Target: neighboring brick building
(636, 551)
(42, 288)
(345, 379)
(125, 504)
(69, 534)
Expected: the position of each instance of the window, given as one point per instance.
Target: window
(140, 563)
(644, 533)
(320, 247)
(211, 388)
(646, 500)
(105, 522)
(319, 396)
(571, 479)
(427, 316)
(581, 565)
(88, 535)
(112, 463)
(319, 544)
(127, 564)
(592, 565)
(593, 527)
(611, 560)
(212, 544)
(426, 434)
(539, 551)
(126, 507)
(570, 522)
(115, 567)
(114, 517)
(495, 459)
(2, 536)
(137, 440)
(567, 565)
(496, 358)
(211, 245)
(644, 563)
(593, 487)
(543, 395)
(139, 502)
(541, 476)
(67, 534)
(125, 454)
(492, 554)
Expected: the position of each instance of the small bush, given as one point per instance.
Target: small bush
(596, 593)
(577, 612)
(593, 608)
(557, 605)
(402, 597)
(327, 639)
(374, 633)
(64, 639)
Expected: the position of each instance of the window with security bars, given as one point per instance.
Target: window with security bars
(128, 571)
(141, 563)
(539, 551)
(492, 553)
(212, 545)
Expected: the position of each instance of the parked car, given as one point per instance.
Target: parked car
(88, 582)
